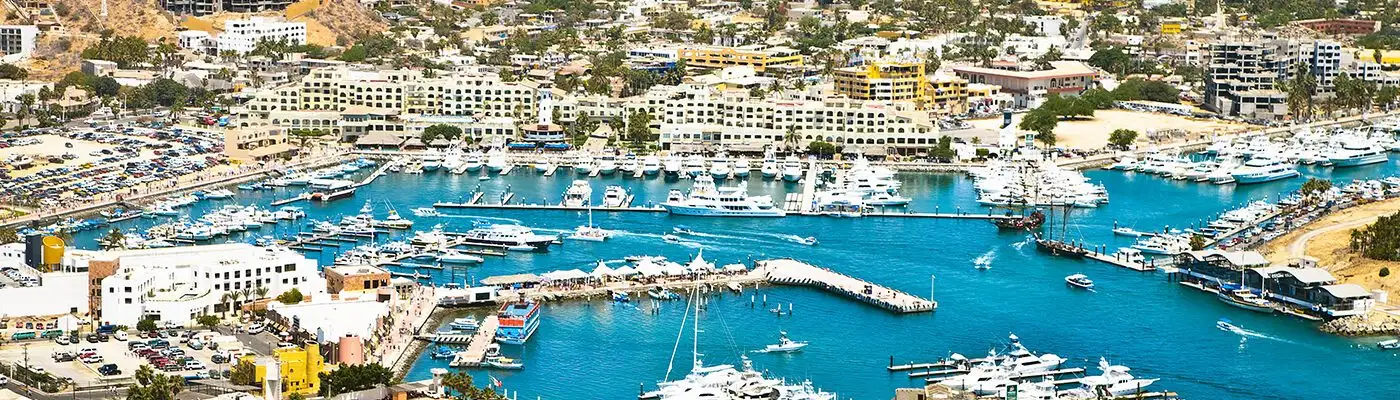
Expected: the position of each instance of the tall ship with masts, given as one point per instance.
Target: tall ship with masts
(1060, 247)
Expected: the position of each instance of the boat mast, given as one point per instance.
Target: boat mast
(695, 339)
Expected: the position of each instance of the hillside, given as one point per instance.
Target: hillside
(57, 52)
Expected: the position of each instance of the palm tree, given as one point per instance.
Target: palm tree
(235, 296)
(262, 292)
(227, 300)
(114, 239)
(247, 294)
(791, 137)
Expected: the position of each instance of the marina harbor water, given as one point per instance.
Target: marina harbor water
(989, 282)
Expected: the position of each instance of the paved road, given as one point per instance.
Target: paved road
(114, 393)
(1299, 247)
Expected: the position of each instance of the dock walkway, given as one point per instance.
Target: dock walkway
(476, 349)
(793, 272)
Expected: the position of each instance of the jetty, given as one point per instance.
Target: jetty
(479, 341)
(793, 272)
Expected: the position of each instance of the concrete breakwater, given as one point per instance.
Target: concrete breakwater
(1373, 324)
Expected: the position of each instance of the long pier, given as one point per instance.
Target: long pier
(474, 203)
(793, 272)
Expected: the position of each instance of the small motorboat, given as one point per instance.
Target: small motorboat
(455, 257)
(669, 238)
(620, 297)
(483, 178)
(494, 359)
(1080, 281)
(1126, 231)
(784, 345)
(443, 353)
(810, 240)
(467, 323)
(682, 229)
(1391, 344)
(662, 294)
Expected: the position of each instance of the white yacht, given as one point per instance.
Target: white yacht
(496, 161)
(457, 257)
(792, 169)
(672, 165)
(579, 194)
(784, 345)
(585, 165)
(1259, 170)
(512, 237)
(720, 168)
(741, 168)
(607, 164)
(1115, 381)
(630, 165)
(1357, 152)
(590, 233)
(651, 166)
(472, 162)
(614, 196)
(543, 164)
(430, 237)
(694, 165)
(453, 161)
(706, 200)
(770, 168)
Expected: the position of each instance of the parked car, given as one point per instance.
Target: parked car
(109, 370)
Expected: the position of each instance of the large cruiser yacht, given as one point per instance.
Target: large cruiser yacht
(792, 169)
(672, 165)
(651, 166)
(579, 194)
(1259, 170)
(495, 161)
(1357, 152)
(506, 235)
(694, 165)
(708, 201)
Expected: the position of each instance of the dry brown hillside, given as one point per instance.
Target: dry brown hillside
(57, 52)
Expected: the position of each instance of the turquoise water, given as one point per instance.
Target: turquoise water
(600, 350)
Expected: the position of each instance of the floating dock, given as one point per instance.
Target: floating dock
(793, 272)
(476, 349)
(551, 170)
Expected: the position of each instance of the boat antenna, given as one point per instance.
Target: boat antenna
(671, 364)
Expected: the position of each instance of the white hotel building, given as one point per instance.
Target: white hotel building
(179, 284)
(243, 35)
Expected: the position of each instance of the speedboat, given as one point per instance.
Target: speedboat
(651, 166)
(443, 353)
(579, 194)
(669, 238)
(455, 257)
(1390, 344)
(614, 196)
(494, 359)
(1080, 281)
(784, 345)
(1126, 231)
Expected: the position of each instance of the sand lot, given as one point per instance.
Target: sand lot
(1328, 240)
(53, 145)
(1093, 133)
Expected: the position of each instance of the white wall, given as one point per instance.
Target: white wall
(59, 293)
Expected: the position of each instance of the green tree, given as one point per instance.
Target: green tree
(1386, 96)
(1198, 242)
(207, 321)
(1315, 187)
(1139, 89)
(290, 297)
(1122, 138)
(1097, 98)
(243, 373)
(944, 150)
(639, 127)
(1042, 122)
(10, 71)
(821, 148)
(8, 235)
(114, 239)
(445, 131)
(146, 325)
(1300, 89)
(153, 386)
(461, 387)
(106, 86)
(350, 378)
(1043, 62)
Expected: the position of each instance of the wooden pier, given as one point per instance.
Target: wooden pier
(793, 272)
(476, 349)
(1117, 260)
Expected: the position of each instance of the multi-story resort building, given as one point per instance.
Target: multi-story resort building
(206, 7)
(758, 57)
(1029, 88)
(891, 81)
(1240, 78)
(243, 35)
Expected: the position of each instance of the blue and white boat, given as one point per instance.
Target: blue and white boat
(1260, 170)
(518, 321)
(705, 200)
(467, 323)
(1355, 153)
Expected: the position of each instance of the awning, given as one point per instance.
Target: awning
(625, 271)
(735, 268)
(673, 269)
(648, 268)
(602, 271)
(510, 279)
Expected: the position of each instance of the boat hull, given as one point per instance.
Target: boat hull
(1257, 178)
(1359, 161)
(1225, 298)
(675, 209)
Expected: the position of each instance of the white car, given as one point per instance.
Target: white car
(255, 329)
(193, 365)
(4, 380)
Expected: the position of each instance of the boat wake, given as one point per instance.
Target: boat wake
(481, 217)
(1019, 246)
(984, 261)
(780, 236)
(721, 236)
(1225, 325)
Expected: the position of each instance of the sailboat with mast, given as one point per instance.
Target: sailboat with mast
(590, 232)
(1059, 247)
(724, 381)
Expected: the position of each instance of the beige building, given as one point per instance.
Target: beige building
(1029, 88)
(353, 278)
(758, 57)
(252, 144)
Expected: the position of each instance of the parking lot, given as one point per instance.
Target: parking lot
(179, 358)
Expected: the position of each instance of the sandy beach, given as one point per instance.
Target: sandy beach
(1093, 133)
(1328, 240)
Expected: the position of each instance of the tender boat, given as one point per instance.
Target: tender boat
(784, 345)
(1080, 281)
(1390, 344)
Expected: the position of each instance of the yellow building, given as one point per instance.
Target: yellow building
(253, 144)
(752, 56)
(903, 81)
(1172, 26)
(300, 368)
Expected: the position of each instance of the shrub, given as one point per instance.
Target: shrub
(1385, 271)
